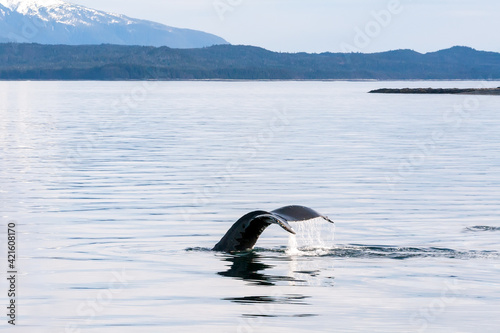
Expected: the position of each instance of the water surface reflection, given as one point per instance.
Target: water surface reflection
(249, 267)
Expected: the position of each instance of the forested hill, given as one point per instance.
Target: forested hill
(113, 62)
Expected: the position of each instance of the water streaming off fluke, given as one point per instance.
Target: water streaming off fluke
(314, 236)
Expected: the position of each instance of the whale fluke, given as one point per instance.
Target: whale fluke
(244, 233)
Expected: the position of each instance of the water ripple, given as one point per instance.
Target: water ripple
(369, 251)
(285, 299)
(480, 228)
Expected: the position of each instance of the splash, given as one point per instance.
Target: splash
(313, 236)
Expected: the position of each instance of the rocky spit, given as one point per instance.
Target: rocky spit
(469, 91)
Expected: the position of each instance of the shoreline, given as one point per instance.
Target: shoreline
(383, 90)
(453, 91)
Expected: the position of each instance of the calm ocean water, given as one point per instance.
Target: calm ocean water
(119, 190)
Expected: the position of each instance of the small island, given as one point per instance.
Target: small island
(468, 91)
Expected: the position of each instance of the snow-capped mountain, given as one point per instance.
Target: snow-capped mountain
(60, 22)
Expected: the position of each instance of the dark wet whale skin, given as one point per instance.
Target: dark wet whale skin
(245, 232)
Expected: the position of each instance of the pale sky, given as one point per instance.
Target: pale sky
(327, 25)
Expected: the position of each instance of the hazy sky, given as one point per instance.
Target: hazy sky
(327, 25)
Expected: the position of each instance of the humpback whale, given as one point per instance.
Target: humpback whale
(244, 233)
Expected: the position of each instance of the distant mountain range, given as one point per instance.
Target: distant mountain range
(57, 40)
(59, 22)
(114, 62)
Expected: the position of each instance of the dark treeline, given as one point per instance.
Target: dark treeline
(114, 62)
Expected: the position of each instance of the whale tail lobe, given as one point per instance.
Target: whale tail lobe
(245, 232)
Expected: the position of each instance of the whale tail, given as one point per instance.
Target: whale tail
(245, 232)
